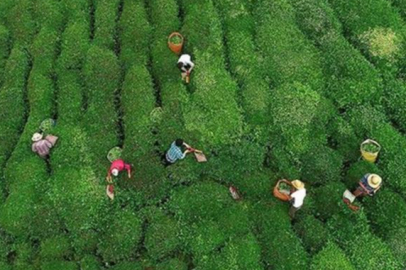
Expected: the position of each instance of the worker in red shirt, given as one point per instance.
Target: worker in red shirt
(116, 167)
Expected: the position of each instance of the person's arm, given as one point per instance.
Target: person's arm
(184, 154)
(48, 144)
(108, 177)
(33, 148)
(186, 145)
(128, 168)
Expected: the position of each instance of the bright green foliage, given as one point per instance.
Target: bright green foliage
(377, 30)
(161, 237)
(127, 266)
(312, 232)
(49, 14)
(331, 258)
(134, 33)
(70, 98)
(394, 102)
(352, 80)
(104, 27)
(397, 244)
(173, 264)
(328, 199)
(288, 55)
(89, 263)
(241, 253)
(57, 265)
(43, 50)
(244, 60)
(386, 212)
(55, 248)
(294, 107)
(75, 44)
(21, 23)
(122, 237)
(102, 77)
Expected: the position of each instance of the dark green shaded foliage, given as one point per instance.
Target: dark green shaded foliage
(387, 212)
(135, 34)
(343, 138)
(394, 101)
(328, 199)
(288, 55)
(313, 233)
(102, 74)
(331, 258)
(4, 50)
(285, 251)
(57, 265)
(75, 10)
(105, 23)
(161, 236)
(75, 44)
(240, 253)
(122, 236)
(127, 266)
(43, 50)
(172, 264)
(397, 243)
(21, 23)
(57, 247)
(322, 165)
(70, 97)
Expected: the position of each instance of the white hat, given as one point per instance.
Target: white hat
(114, 172)
(37, 137)
(298, 184)
(374, 180)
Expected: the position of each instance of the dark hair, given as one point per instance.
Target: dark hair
(179, 142)
(180, 65)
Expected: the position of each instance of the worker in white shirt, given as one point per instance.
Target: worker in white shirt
(186, 66)
(297, 197)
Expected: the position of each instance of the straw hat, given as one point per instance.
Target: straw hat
(114, 172)
(37, 137)
(298, 184)
(374, 180)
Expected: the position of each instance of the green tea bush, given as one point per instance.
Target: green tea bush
(313, 233)
(377, 30)
(105, 23)
(4, 50)
(161, 236)
(243, 60)
(288, 56)
(328, 199)
(89, 262)
(239, 253)
(75, 44)
(102, 74)
(134, 34)
(57, 247)
(127, 266)
(322, 165)
(57, 265)
(386, 211)
(294, 107)
(122, 237)
(43, 50)
(49, 14)
(394, 102)
(397, 244)
(75, 10)
(21, 23)
(12, 105)
(70, 97)
(331, 258)
(172, 264)
(352, 79)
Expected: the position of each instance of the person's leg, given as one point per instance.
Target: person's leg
(184, 74)
(165, 162)
(359, 192)
(292, 212)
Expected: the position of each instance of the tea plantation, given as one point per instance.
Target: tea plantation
(281, 89)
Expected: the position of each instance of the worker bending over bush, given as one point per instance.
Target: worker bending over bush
(297, 197)
(186, 66)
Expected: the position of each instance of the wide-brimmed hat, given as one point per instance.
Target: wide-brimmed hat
(298, 184)
(36, 137)
(374, 180)
(114, 172)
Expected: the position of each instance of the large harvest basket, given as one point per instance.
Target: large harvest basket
(367, 155)
(280, 195)
(176, 48)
